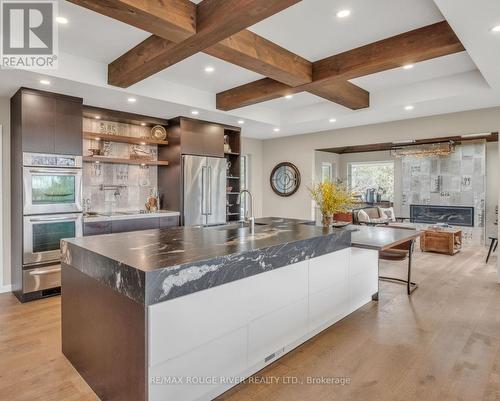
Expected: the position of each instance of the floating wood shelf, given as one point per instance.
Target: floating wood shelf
(231, 153)
(232, 193)
(123, 139)
(115, 160)
(232, 177)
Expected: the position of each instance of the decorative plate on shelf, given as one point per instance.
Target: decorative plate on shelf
(285, 179)
(158, 132)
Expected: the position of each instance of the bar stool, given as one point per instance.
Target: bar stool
(493, 246)
(400, 252)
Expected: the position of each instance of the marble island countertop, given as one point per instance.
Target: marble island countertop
(126, 215)
(156, 265)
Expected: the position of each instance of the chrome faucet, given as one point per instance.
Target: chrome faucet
(251, 219)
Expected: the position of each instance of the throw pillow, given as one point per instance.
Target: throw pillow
(363, 217)
(387, 212)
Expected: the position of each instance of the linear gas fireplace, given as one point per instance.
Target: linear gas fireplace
(452, 215)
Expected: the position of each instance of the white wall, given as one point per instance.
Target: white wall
(325, 157)
(254, 149)
(300, 149)
(5, 197)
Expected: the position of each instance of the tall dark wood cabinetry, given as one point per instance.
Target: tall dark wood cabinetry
(49, 122)
(41, 122)
(187, 136)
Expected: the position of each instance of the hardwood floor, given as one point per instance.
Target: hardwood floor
(442, 343)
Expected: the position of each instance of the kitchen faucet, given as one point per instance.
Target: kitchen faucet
(250, 219)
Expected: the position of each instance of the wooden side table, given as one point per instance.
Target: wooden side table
(447, 241)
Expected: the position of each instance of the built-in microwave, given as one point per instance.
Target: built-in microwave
(51, 184)
(42, 235)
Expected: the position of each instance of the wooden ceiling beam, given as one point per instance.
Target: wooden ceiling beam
(425, 43)
(170, 19)
(421, 44)
(255, 53)
(343, 93)
(216, 20)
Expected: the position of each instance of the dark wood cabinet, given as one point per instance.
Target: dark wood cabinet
(97, 228)
(121, 226)
(201, 138)
(170, 221)
(50, 122)
(38, 122)
(68, 127)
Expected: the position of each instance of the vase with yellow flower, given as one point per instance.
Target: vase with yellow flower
(331, 198)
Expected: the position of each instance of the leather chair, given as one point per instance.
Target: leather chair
(400, 252)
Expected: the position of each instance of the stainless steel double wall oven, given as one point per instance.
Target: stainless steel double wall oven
(52, 210)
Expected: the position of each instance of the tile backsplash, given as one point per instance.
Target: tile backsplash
(117, 187)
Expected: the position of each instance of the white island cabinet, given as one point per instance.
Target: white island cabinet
(202, 344)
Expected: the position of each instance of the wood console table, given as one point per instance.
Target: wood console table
(445, 240)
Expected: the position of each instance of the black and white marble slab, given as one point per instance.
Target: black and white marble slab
(157, 265)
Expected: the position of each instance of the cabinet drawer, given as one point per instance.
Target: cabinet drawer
(97, 228)
(170, 221)
(121, 226)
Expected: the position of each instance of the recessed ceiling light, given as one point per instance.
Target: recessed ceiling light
(195, 112)
(241, 122)
(143, 124)
(132, 99)
(209, 69)
(495, 29)
(343, 13)
(143, 143)
(332, 120)
(276, 130)
(45, 82)
(408, 66)
(62, 20)
(288, 97)
(97, 117)
(409, 107)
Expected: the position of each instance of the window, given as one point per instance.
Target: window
(373, 175)
(244, 184)
(326, 172)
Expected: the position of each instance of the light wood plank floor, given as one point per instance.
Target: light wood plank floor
(442, 344)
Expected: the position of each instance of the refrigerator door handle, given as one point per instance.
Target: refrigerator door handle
(203, 191)
(209, 195)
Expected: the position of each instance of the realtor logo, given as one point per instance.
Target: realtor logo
(29, 34)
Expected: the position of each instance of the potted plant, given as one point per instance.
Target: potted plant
(330, 199)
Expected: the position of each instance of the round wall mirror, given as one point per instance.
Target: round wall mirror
(285, 179)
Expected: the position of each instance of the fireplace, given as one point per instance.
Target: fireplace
(452, 215)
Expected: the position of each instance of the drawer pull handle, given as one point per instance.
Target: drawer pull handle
(40, 272)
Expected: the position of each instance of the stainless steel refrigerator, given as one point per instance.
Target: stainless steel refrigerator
(204, 190)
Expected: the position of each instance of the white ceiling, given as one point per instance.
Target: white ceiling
(311, 29)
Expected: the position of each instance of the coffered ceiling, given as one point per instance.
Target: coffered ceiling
(311, 30)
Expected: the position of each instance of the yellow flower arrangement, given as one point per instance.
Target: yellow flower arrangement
(331, 198)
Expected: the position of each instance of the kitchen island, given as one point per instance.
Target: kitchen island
(187, 313)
